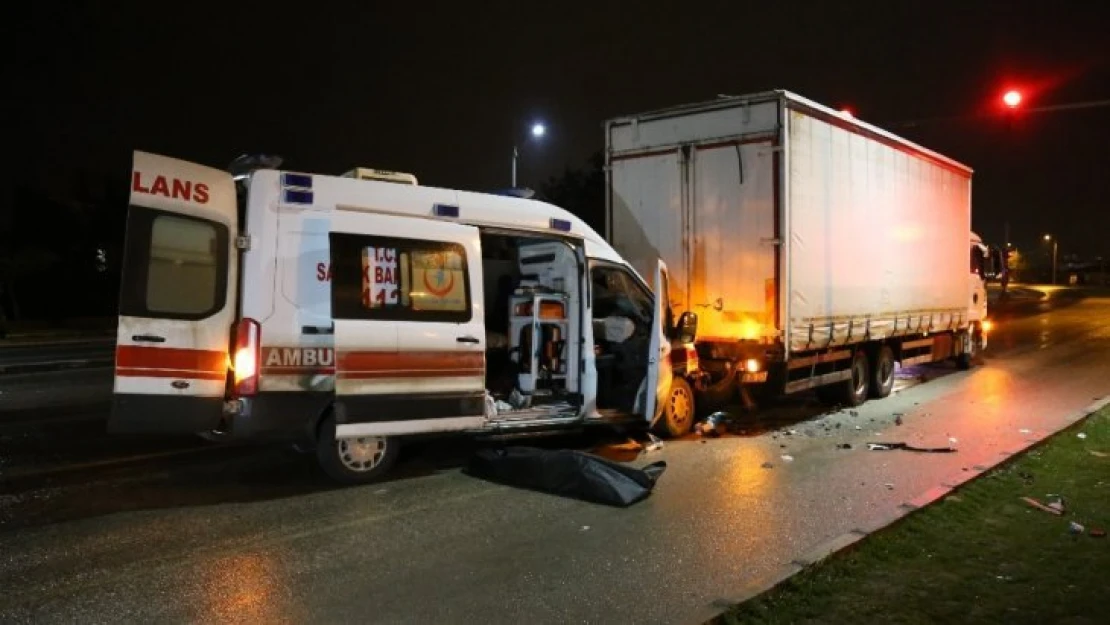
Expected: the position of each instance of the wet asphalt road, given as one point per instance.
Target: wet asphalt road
(26, 357)
(190, 532)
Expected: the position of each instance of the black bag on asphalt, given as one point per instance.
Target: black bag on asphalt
(573, 474)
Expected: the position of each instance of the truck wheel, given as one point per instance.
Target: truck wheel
(964, 360)
(678, 412)
(882, 373)
(354, 460)
(854, 389)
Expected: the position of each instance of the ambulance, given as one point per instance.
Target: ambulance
(346, 313)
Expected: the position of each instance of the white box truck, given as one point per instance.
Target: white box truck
(816, 250)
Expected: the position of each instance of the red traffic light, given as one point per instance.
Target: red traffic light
(1012, 98)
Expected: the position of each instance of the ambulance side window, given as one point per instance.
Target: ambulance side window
(397, 279)
(176, 266)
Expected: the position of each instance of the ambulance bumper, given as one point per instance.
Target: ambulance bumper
(275, 416)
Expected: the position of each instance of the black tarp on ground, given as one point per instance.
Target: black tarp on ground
(569, 473)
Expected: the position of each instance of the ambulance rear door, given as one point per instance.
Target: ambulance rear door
(177, 298)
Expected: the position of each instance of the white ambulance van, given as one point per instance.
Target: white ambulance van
(350, 311)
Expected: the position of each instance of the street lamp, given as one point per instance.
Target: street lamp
(538, 131)
(1012, 98)
(1055, 245)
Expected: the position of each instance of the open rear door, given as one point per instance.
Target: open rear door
(409, 329)
(177, 298)
(659, 355)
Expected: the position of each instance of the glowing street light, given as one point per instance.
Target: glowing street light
(1012, 98)
(1055, 245)
(538, 132)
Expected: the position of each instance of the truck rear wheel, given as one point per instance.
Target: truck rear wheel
(854, 389)
(358, 460)
(882, 372)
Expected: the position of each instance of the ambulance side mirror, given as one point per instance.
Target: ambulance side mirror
(687, 328)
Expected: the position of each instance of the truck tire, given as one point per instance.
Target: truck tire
(965, 360)
(882, 372)
(355, 460)
(678, 412)
(854, 390)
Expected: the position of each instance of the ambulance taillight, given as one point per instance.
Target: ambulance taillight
(246, 357)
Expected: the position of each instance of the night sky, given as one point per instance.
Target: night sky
(442, 90)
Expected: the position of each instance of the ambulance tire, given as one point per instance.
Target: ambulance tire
(354, 461)
(678, 411)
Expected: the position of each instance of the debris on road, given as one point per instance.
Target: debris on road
(898, 419)
(908, 447)
(787, 458)
(1097, 532)
(844, 446)
(1098, 454)
(1075, 528)
(585, 528)
(655, 445)
(889, 486)
(953, 440)
(1082, 435)
(1041, 506)
(568, 473)
(1025, 431)
(767, 465)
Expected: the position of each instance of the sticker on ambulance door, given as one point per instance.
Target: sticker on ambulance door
(438, 281)
(380, 278)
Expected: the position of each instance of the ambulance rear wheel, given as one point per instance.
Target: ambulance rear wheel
(359, 460)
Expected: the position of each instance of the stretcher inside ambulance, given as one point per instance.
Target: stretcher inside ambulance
(345, 314)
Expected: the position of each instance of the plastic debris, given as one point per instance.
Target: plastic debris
(889, 486)
(953, 440)
(1041, 506)
(854, 413)
(1098, 532)
(1098, 454)
(767, 465)
(897, 419)
(1082, 435)
(585, 528)
(844, 446)
(503, 406)
(655, 445)
(1075, 528)
(1025, 431)
(787, 458)
(859, 427)
(908, 447)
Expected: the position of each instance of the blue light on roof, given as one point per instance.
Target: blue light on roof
(303, 181)
(445, 210)
(294, 196)
(560, 224)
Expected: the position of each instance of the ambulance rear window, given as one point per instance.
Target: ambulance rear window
(399, 279)
(175, 266)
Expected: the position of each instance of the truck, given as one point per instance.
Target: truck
(819, 251)
(346, 314)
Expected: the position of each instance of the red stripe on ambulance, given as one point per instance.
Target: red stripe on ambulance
(167, 362)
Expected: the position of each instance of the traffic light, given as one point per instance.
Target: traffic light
(1012, 98)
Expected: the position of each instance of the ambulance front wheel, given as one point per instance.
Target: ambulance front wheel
(354, 460)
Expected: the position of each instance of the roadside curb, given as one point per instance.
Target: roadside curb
(824, 549)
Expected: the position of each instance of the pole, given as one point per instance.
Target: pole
(515, 155)
(1055, 244)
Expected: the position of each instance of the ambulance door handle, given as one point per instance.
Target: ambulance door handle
(467, 339)
(148, 338)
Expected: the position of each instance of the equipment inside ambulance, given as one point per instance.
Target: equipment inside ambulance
(348, 312)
